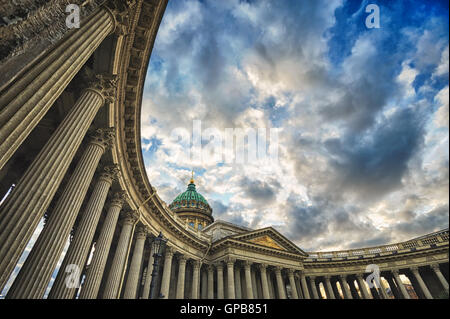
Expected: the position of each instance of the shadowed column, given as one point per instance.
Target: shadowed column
(118, 266)
(37, 270)
(264, 283)
(79, 248)
(136, 262)
(181, 277)
(165, 283)
(94, 273)
(440, 276)
(25, 206)
(312, 280)
(400, 284)
(426, 292)
(195, 279)
(210, 282)
(280, 284)
(230, 278)
(248, 280)
(220, 292)
(292, 283)
(304, 285)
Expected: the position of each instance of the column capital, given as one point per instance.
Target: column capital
(359, 276)
(104, 137)
(230, 261)
(262, 267)
(196, 264)
(291, 271)
(141, 232)
(104, 85)
(130, 217)
(219, 265)
(414, 269)
(247, 263)
(435, 267)
(109, 173)
(395, 272)
(182, 259)
(169, 252)
(278, 269)
(327, 277)
(210, 268)
(119, 198)
(119, 11)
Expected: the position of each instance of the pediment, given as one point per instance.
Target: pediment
(270, 238)
(267, 241)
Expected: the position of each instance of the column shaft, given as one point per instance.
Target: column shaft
(195, 279)
(422, 285)
(329, 289)
(131, 286)
(37, 270)
(165, 283)
(313, 287)
(440, 276)
(80, 246)
(210, 282)
(400, 284)
(181, 277)
(345, 287)
(362, 286)
(304, 286)
(230, 279)
(280, 283)
(118, 266)
(95, 271)
(248, 280)
(220, 292)
(264, 283)
(25, 206)
(238, 282)
(292, 284)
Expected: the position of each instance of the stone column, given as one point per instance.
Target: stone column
(220, 292)
(304, 285)
(383, 289)
(399, 283)
(280, 283)
(248, 280)
(345, 287)
(136, 263)
(238, 282)
(181, 277)
(118, 266)
(165, 282)
(426, 292)
(24, 207)
(96, 268)
(329, 289)
(80, 246)
(264, 283)
(148, 278)
(292, 283)
(440, 276)
(210, 282)
(393, 287)
(195, 279)
(29, 98)
(254, 283)
(362, 286)
(230, 278)
(37, 270)
(312, 280)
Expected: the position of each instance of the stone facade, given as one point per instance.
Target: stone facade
(70, 154)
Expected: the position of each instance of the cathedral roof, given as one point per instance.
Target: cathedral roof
(191, 199)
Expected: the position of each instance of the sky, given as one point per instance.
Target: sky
(361, 115)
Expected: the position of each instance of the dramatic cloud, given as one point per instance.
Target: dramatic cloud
(362, 115)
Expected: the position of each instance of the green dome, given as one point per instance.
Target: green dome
(191, 199)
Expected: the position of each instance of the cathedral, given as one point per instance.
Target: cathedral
(71, 164)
